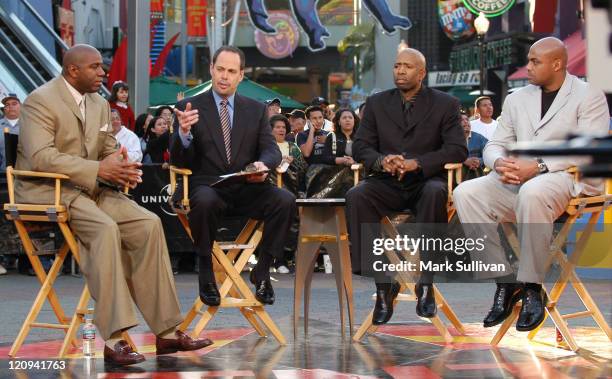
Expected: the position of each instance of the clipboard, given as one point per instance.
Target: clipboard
(237, 178)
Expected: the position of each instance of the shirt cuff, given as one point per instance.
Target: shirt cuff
(377, 166)
(185, 139)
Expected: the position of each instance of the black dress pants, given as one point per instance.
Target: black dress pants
(372, 199)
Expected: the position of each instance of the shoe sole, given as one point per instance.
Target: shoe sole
(515, 299)
(539, 322)
(115, 363)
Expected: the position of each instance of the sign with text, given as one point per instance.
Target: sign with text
(196, 18)
(496, 53)
(490, 8)
(452, 79)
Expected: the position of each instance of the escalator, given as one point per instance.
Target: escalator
(28, 56)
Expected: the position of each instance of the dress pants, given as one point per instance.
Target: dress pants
(372, 199)
(485, 202)
(124, 257)
(261, 201)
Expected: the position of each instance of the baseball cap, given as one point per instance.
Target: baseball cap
(272, 101)
(10, 96)
(319, 101)
(297, 113)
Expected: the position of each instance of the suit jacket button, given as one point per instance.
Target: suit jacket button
(86, 139)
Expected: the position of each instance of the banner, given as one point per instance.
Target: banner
(196, 18)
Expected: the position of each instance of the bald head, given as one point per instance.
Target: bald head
(409, 71)
(551, 47)
(82, 68)
(547, 63)
(414, 55)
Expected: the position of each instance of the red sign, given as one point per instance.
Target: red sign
(196, 18)
(65, 24)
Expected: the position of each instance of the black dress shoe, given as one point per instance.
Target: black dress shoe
(209, 294)
(506, 295)
(264, 292)
(385, 296)
(426, 301)
(532, 310)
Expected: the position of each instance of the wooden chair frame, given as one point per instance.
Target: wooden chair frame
(229, 260)
(49, 213)
(407, 280)
(578, 206)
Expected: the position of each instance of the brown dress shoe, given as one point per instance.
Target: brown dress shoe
(122, 354)
(182, 343)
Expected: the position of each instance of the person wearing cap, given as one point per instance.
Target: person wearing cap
(274, 106)
(322, 102)
(10, 121)
(297, 120)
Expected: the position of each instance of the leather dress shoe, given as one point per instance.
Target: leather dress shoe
(264, 292)
(209, 294)
(385, 296)
(426, 301)
(506, 295)
(122, 354)
(532, 310)
(182, 343)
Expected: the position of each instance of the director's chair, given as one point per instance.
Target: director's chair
(407, 280)
(577, 207)
(229, 260)
(25, 217)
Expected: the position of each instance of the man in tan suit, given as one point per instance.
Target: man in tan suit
(531, 192)
(65, 129)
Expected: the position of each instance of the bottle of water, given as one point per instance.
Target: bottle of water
(89, 338)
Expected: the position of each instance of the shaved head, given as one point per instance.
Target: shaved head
(409, 71)
(414, 54)
(82, 68)
(547, 65)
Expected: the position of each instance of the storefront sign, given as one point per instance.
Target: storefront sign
(456, 21)
(284, 42)
(490, 8)
(497, 53)
(196, 18)
(452, 79)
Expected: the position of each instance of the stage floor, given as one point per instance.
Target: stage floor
(408, 347)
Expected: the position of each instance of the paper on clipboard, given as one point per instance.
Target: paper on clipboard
(237, 177)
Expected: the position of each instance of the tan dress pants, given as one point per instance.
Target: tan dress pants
(124, 257)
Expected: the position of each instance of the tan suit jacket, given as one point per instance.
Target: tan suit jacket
(55, 138)
(578, 108)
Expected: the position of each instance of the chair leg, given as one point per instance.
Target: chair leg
(77, 320)
(305, 257)
(449, 313)
(364, 327)
(269, 323)
(501, 332)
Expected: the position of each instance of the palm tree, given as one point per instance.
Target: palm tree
(358, 48)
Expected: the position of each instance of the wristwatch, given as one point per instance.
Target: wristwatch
(542, 166)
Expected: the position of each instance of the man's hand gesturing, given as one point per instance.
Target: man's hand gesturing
(186, 118)
(116, 168)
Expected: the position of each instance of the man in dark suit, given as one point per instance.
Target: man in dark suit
(406, 136)
(220, 132)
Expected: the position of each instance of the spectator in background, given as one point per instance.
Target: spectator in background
(165, 111)
(274, 106)
(322, 103)
(484, 125)
(312, 141)
(12, 111)
(293, 181)
(339, 145)
(126, 137)
(156, 138)
(473, 166)
(142, 122)
(297, 119)
(119, 100)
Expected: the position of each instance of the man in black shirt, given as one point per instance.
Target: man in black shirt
(531, 192)
(312, 141)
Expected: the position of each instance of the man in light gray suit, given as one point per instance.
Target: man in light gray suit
(531, 192)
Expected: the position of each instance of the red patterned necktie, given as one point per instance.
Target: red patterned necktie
(227, 129)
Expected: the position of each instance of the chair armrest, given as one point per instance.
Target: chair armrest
(10, 173)
(356, 167)
(50, 175)
(453, 166)
(180, 171)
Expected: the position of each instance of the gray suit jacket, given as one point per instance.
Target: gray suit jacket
(578, 108)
